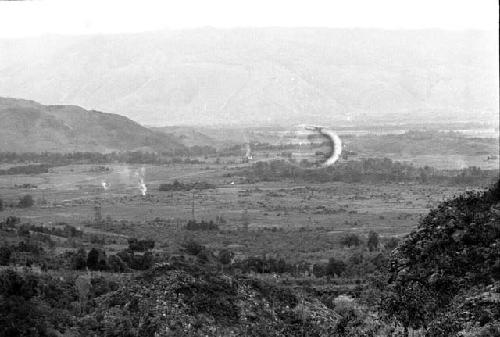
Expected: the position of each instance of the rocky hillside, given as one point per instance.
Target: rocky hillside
(446, 275)
(28, 126)
(176, 300)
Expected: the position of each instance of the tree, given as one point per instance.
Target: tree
(26, 201)
(319, 270)
(11, 221)
(225, 257)
(116, 264)
(83, 285)
(93, 259)
(192, 247)
(372, 242)
(140, 245)
(79, 260)
(335, 267)
(350, 240)
(5, 253)
(147, 261)
(19, 316)
(392, 243)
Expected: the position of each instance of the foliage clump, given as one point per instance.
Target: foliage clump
(451, 257)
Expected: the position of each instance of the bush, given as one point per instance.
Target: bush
(192, 247)
(19, 316)
(11, 221)
(178, 186)
(136, 261)
(392, 243)
(116, 264)
(201, 226)
(140, 245)
(93, 259)
(335, 267)
(372, 242)
(26, 201)
(225, 256)
(79, 260)
(5, 253)
(96, 259)
(351, 240)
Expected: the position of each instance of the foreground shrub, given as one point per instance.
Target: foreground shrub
(454, 253)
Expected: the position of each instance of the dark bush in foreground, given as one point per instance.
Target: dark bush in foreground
(453, 256)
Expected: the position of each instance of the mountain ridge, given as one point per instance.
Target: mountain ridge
(28, 126)
(261, 76)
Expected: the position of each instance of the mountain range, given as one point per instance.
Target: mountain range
(262, 76)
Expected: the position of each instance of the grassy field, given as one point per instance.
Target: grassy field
(285, 219)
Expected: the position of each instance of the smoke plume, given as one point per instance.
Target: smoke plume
(141, 174)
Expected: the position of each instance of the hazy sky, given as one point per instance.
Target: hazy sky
(32, 18)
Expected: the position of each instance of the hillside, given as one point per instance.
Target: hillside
(445, 276)
(176, 300)
(28, 126)
(262, 76)
(187, 136)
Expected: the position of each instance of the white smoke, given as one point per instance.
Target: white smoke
(133, 177)
(248, 149)
(248, 154)
(141, 174)
(142, 187)
(105, 185)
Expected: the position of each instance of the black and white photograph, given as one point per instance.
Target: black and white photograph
(227, 168)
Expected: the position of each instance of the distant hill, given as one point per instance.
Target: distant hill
(28, 126)
(262, 76)
(222, 136)
(187, 136)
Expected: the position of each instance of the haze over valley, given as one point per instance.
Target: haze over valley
(262, 76)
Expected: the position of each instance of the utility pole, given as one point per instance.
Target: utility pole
(192, 207)
(245, 219)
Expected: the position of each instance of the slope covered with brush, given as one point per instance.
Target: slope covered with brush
(445, 277)
(190, 300)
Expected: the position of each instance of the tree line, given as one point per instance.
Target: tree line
(48, 159)
(366, 170)
(26, 201)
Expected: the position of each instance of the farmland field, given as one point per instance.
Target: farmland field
(287, 219)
